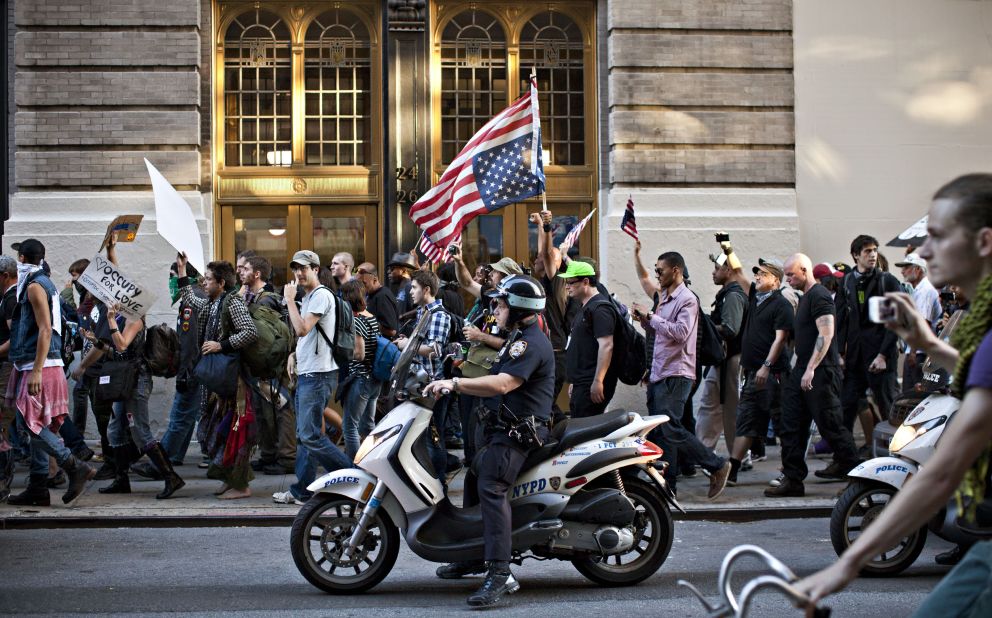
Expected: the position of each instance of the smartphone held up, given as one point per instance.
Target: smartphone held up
(881, 310)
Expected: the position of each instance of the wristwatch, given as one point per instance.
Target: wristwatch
(454, 383)
(765, 363)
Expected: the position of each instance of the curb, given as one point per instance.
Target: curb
(736, 515)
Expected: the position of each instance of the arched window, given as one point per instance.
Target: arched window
(258, 127)
(473, 77)
(337, 66)
(551, 43)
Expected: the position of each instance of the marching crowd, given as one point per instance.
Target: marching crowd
(257, 370)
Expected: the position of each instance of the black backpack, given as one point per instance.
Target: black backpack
(710, 351)
(630, 359)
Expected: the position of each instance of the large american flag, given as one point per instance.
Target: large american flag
(501, 165)
(434, 253)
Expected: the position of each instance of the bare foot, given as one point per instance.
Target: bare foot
(223, 489)
(234, 494)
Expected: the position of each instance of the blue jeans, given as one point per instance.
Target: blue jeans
(668, 396)
(967, 590)
(182, 422)
(132, 416)
(359, 412)
(313, 391)
(43, 444)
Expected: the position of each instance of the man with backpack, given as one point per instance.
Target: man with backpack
(314, 325)
(673, 371)
(276, 423)
(423, 289)
(718, 405)
(589, 351)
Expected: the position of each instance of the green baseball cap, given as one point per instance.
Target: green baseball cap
(578, 269)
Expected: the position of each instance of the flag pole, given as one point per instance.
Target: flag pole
(537, 151)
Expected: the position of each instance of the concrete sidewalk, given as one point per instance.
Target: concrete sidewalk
(195, 505)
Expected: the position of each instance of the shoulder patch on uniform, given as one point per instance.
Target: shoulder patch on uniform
(517, 349)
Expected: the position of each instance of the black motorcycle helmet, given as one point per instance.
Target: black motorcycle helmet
(524, 295)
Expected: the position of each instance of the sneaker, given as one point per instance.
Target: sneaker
(787, 489)
(457, 570)
(836, 471)
(775, 482)
(746, 465)
(286, 497)
(493, 589)
(204, 464)
(718, 480)
(84, 454)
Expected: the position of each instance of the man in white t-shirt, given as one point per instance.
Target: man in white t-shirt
(316, 374)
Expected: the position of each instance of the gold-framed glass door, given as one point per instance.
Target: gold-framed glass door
(277, 232)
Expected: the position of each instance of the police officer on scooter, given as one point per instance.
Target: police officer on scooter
(518, 395)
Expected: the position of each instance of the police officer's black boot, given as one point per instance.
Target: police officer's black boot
(499, 581)
(121, 484)
(457, 570)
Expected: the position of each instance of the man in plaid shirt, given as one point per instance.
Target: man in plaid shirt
(424, 288)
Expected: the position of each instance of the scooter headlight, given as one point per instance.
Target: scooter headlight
(907, 433)
(375, 439)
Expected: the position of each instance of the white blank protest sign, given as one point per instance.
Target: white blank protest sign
(175, 220)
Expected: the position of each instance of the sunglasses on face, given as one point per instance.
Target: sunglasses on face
(572, 281)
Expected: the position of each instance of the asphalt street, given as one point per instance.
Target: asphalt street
(249, 571)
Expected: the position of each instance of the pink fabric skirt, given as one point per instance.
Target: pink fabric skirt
(47, 409)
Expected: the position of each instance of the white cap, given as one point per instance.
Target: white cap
(913, 259)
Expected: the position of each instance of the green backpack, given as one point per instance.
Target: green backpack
(266, 358)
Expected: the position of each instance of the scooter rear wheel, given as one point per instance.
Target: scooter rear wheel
(321, 530)
(652, 542)
(856, 509)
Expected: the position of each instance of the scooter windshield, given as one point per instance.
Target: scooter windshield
(401, 371)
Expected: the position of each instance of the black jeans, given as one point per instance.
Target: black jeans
(857, 379)
(581, 405)
(800, 408)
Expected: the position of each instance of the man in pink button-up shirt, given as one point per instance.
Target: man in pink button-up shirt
(673, 367)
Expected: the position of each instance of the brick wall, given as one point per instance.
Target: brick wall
(101, 84)
(701, 93)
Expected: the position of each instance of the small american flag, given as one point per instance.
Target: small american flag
(573, 236)
(627, 224)
(501, 165)
(434, 253)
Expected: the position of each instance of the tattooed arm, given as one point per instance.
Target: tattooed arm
(825, 326)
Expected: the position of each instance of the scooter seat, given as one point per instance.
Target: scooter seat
(574, 431)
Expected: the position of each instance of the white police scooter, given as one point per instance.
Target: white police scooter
(593, 495)
(876, 481)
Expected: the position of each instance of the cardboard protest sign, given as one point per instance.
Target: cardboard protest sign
(113, 287)
(175, 221)
(125, 227)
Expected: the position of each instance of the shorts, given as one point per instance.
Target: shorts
(755, 406)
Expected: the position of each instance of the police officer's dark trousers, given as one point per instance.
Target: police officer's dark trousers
(497, 465)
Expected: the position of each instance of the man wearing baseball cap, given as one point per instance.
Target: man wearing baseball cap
(589, 352)
(927, 301)
(317, 375)
(765, 359)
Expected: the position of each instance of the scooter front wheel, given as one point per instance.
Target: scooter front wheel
(856, 509)
(320, 532)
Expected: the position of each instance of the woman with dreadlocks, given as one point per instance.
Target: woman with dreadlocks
(958, 252)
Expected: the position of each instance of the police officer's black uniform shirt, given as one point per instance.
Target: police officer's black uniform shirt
(531, 358)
